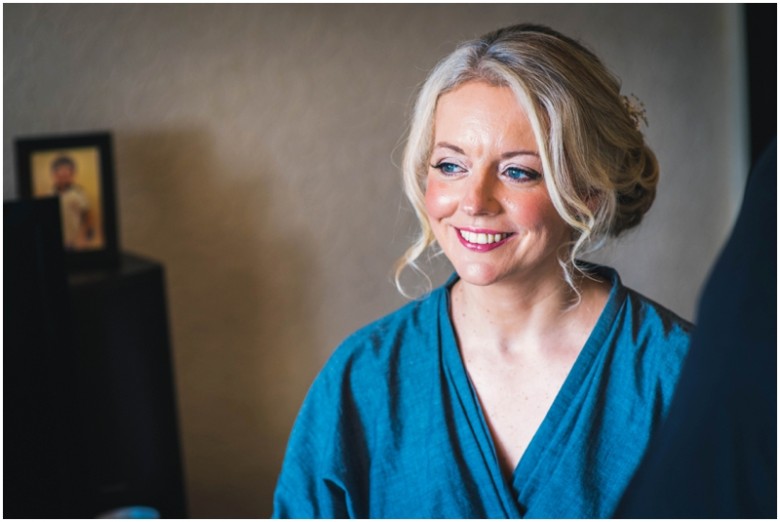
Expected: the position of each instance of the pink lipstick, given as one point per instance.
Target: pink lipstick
(480, 239)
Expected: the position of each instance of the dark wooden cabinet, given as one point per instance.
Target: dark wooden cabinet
(128, 411)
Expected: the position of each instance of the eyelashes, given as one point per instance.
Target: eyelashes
(521, 174)
(448, 169)
(513, 174)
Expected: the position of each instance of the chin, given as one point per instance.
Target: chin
(478, 274)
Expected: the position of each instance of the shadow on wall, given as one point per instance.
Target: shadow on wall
(235, 273)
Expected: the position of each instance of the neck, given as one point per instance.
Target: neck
(513, 315)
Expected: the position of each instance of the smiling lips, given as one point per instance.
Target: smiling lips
(482, 240)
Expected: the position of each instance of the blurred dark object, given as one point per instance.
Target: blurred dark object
(761, 30)
(39, 396)
(716, 455)
(90, 421)
(128, 398)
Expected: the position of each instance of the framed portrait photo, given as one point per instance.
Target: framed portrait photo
(79, 170)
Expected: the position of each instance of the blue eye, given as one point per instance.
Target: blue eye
(521, 175)
(448, 168)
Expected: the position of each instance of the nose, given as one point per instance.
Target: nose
(479, 197)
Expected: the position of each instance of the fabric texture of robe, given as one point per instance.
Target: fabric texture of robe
(393, 428)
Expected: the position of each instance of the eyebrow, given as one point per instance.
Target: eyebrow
(505, 155)
(445, 145)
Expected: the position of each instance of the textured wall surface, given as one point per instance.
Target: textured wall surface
(255, 151)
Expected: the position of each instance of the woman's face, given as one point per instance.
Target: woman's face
(486, 198)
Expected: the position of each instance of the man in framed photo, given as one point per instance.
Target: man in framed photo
(77, 226)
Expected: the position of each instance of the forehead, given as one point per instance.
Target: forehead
(478, 110)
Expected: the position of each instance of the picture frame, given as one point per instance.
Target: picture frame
(79, 170)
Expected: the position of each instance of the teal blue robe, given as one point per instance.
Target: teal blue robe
(392, 426)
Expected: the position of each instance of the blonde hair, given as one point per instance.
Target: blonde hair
(600, 174)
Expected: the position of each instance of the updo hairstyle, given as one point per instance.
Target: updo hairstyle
(600, 174)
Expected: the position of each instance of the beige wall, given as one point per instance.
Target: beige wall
(255, 150)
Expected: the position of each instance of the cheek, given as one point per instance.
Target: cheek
(533, 211)
(440, 201)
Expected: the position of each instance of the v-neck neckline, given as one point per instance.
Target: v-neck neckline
(536, 448)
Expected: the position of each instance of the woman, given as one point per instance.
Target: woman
(530, 383)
